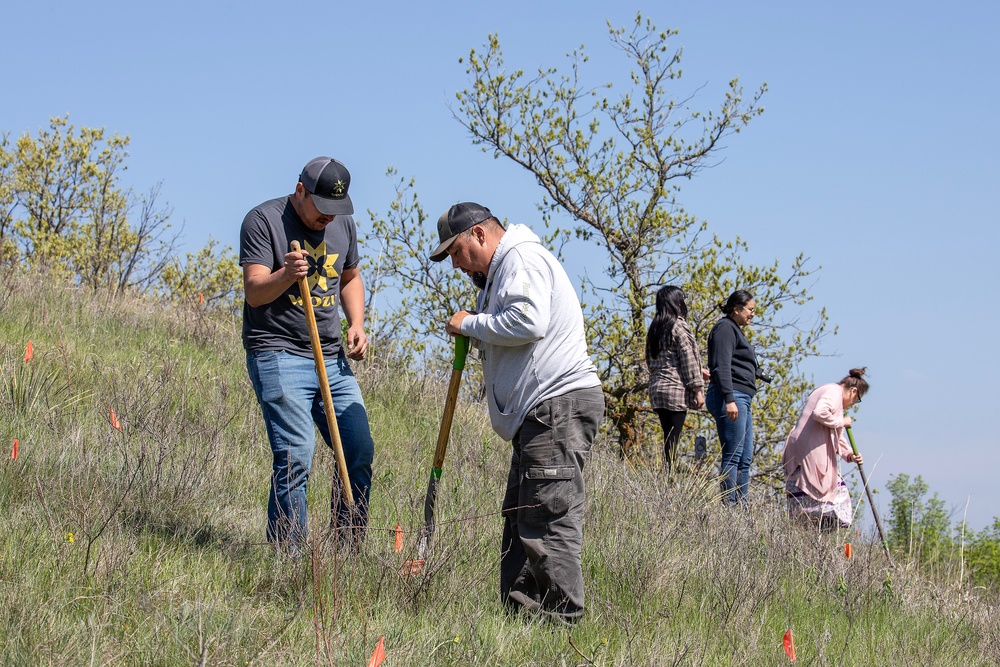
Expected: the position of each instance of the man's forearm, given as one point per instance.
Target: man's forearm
(262, 288)
(352, 300)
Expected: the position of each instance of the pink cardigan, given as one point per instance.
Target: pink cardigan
(815, 442)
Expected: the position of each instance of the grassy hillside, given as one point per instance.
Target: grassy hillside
(144, 545)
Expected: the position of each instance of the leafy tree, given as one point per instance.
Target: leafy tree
(8, 202)
(919, 527)
(613, 167)
(72, 218)
(422, 293)
(983, 556)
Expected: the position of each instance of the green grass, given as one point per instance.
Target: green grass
(168, 565)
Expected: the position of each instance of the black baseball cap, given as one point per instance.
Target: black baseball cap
(327, 180)
(456, 220)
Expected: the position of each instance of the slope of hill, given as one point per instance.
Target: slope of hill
(136, 538)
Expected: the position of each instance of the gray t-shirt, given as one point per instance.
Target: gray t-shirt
(265, 237)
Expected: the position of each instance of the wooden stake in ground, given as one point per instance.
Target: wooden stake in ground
(324, 385)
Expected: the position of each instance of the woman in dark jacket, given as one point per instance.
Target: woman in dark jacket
(675, 381)
(733, 367)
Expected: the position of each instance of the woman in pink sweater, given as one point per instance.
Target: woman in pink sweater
(812, 479)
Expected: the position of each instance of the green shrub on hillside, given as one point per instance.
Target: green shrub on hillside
(983, 557)
(65, 212)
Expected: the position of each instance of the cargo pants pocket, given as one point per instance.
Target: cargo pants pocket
(547, 492)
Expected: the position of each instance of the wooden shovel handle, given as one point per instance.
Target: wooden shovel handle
(324, 385)
(458, 365)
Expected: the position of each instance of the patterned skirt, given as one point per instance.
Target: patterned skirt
(835, 513)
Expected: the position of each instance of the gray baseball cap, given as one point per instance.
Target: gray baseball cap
(328, 180)
(456, 220)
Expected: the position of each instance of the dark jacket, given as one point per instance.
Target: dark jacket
(731, 360)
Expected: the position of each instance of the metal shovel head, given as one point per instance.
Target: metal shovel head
(430, 500)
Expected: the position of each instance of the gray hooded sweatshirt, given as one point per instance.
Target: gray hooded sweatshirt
(529, 327)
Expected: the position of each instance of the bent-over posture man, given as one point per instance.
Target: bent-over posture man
(544, 396)
(279, 353)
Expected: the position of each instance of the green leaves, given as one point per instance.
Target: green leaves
(211, 276)
(68, 217)
(921, 530)
(409, 297)
(983, 556)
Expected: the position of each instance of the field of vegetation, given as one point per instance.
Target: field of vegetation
(135, 537)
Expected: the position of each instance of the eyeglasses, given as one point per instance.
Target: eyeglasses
(750, 310)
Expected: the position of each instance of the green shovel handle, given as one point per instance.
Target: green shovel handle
(850, 436)
(461, 351)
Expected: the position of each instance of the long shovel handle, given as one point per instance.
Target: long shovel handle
(430, 500)
(871, 501)
(457, 366)
(324, 385)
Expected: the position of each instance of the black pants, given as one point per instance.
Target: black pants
(672, 422)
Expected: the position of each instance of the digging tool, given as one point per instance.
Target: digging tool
(864, 480)
(324, 385)
(457, 366)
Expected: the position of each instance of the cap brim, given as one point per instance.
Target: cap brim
(442, 250)
(333, 206)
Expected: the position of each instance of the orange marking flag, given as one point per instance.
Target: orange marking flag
(847, 550)
(29, 352)
(13, 451)
(114, 420)
(399, 538)
(379, 655)
(789, 643)
(201, 298)
(412, 567)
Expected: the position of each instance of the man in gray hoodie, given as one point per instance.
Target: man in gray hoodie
(544, 396)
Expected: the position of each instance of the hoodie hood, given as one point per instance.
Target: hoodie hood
(513, 237)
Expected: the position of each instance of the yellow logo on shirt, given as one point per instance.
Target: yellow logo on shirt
(321, 265)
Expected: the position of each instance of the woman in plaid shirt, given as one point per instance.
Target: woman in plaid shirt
(675, 378)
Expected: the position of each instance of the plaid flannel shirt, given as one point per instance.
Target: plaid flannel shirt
(675, 375)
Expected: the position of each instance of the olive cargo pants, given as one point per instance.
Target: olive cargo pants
(542, 544)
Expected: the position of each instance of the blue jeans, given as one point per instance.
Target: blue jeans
(736, 439)
(287, 389)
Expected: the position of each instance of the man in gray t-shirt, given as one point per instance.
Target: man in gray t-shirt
(279, 353)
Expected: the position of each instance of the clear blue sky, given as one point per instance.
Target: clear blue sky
(876, 156)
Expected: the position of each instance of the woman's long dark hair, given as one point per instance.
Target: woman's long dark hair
(669, 306)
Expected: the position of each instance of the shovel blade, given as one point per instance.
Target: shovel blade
(430, 500)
